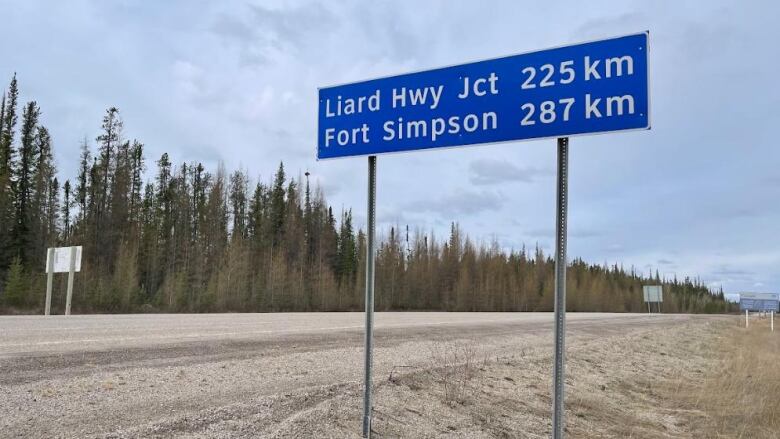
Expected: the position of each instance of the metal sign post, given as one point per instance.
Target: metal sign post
(370, 259)
(71, 270)
(49, 280)
(560, 288)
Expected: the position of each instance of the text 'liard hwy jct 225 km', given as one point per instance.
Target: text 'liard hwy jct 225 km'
(586, 88)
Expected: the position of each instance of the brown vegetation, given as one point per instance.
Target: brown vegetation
(741, 395)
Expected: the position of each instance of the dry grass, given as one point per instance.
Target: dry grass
(741, 395)
(455, 366)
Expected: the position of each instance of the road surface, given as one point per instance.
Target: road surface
(193, 375)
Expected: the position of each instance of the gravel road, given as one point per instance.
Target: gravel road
(224, 375)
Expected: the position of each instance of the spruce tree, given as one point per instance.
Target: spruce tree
(136, 182)
(66, 207)
(199, 186)
(347, 250)
(108, 143)
(52, 214)
(23, 176)
(42, 219)
(278, 205)
(82, 180)
(7, 209)
(238, 203)
(7, 127)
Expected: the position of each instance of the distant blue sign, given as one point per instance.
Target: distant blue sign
(759, 305)
(759, 302)
(752, 304)
(580, 89)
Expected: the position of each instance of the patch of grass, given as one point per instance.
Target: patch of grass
(741, 396)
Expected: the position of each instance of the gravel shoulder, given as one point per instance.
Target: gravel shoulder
(298, 375)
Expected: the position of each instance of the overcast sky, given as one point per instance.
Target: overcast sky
(237, 82)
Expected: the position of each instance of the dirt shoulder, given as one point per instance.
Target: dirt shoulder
(620, 384)
(628, 376)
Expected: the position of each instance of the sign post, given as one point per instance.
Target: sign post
(49, 280)
(370, 260)
(595, 87)
(71, 270)
(560, 287)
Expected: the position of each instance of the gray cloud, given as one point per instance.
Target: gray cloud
(610, 23)
(542, 232)
(291, 27)
(261, 32)
(581, 233)
(491, 171)
(728, 271)
(461, 202)
(232, 28)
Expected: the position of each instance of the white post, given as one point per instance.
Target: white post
(70, 279)
(772, 320)
(49, 280)
(747, 323)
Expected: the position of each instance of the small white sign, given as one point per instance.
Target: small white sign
(653, 293)
(62, 259)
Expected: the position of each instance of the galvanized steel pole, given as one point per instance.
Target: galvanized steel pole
(370, 258)
(49, 280)
(71, 271)
(560, 288)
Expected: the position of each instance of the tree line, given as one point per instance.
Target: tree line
(196, 240)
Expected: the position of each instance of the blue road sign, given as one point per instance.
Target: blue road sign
(585, 88)
(759, 305)
(759, 302)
